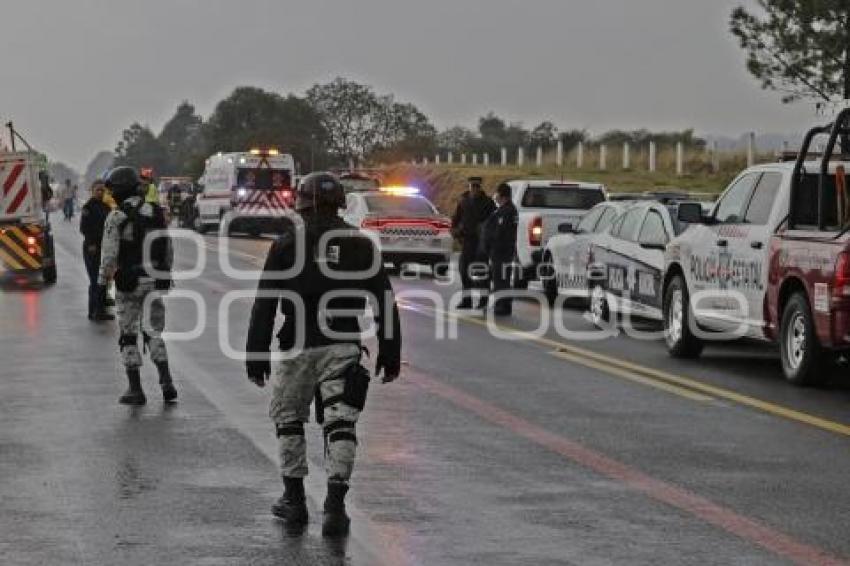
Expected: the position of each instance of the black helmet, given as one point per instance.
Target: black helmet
(123, 182)
(320, 191)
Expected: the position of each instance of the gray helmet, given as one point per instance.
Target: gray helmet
(320, 191)
(124, 183)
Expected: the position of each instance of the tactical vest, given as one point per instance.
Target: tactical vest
(131, 252)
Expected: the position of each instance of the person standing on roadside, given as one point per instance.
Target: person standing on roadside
(473, 209)
(69, 195)
(92, 219)
(500, 247)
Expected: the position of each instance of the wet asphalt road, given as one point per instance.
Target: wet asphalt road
(489, 450)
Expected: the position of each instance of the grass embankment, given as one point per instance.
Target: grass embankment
(444, 183)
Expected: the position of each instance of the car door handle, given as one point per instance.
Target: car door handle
(722, 243)
(756, 245)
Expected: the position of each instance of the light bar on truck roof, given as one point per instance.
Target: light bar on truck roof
(400, 191)
(264, 152)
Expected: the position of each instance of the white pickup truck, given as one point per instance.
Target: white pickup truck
(543, 206)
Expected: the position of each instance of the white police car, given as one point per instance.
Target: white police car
(626, 264)
(567, 253)
(409, 227)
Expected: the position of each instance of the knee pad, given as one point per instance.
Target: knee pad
(289, 429)
(339, 431)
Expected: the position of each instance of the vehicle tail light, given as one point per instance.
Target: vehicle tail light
(371, 224)
(442, 225)
(535, 232)
(842, 275)
(31, 240)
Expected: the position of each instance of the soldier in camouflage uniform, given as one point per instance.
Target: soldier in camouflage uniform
(122, 257)
(342, 267)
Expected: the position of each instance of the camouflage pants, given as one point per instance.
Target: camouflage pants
(293, 386)
(132, 322)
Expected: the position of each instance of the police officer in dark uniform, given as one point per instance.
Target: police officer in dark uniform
(92, 219)
(500, 246)
(336, 272)
(473, 209)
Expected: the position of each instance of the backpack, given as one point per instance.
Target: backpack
(131, 252)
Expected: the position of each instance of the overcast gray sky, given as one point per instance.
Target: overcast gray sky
(74, 73)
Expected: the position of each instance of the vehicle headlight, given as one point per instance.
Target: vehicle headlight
(241, 193)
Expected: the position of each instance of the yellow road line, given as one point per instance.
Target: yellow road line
(678, 380)
(631, 376)
(21, 254)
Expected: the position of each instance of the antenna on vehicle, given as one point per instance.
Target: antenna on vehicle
(13, 134)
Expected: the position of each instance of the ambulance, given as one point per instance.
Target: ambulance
(249, 192)
(26, 240)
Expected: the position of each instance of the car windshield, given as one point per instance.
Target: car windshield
(562, 197)
(390, 205)
(263, 179)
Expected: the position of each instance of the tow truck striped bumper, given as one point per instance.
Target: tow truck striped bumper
(21, 248)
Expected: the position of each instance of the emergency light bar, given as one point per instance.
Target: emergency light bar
(400, 191)
(270, 151)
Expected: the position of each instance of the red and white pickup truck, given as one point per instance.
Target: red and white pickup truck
(771, 261)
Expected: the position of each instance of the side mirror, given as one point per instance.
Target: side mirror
(566, 228)
(690, 212)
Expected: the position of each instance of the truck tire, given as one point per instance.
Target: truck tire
(803, 361)
(680, 339)
(49, 275)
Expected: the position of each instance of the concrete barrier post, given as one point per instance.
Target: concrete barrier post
(626, 156)
(486, 160)
(751, 149)
(540, 156)
(652, 157)
(463, 159)
(603, 157)
(680, 159)
(559, 154)
(580, 155)
(504, 157)
(475, 159)
(520, 157)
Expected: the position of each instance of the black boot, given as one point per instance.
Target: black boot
(169, 393)
(336, 521)
(292, 507)
(134, 394)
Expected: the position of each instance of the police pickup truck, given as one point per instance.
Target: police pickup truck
(770, 261)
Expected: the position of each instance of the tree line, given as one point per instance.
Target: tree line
(333, 124)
